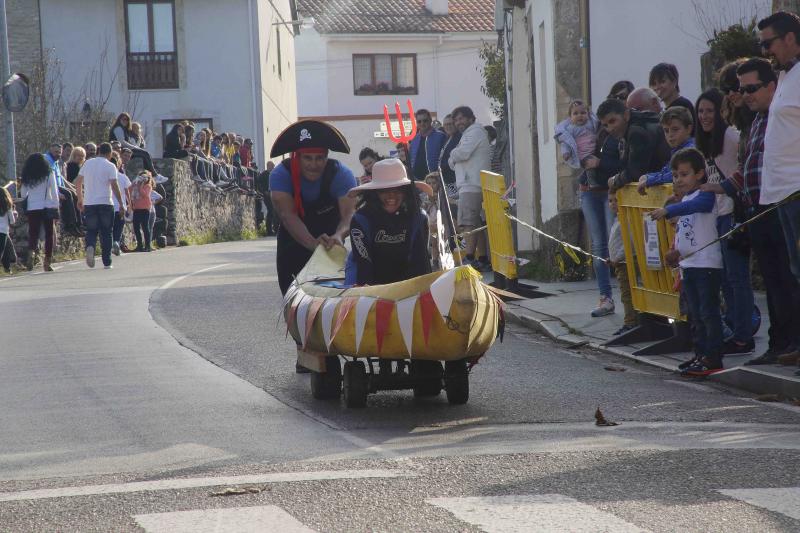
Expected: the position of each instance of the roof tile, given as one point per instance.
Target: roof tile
(397, 16)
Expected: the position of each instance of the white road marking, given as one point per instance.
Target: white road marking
(781, 500)
(192, 483)
(239, 519)
(531, 513)
(172, 282)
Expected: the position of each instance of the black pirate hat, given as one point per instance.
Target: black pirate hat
(309, 134)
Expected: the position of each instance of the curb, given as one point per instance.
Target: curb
(745, 378)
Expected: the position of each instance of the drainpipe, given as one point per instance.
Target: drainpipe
(258, 118)
(436, 47)
(508, 25)
(586, 61)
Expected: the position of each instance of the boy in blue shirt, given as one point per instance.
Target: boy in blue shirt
(677, 124)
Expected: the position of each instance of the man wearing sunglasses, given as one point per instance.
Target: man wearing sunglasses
(757, 84)
(426, 147)
(780, 39)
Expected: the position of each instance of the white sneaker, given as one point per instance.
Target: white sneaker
(161, 179)
(108, 267)
(605, 307)
(115, 248)
(90, 256)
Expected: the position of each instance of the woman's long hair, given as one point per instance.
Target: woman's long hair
(125, 128)
(35, 170)
(6, 202)
(739, 117)
(711, 143)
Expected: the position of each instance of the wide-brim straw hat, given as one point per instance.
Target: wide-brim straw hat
(309, 134)
(388, 174)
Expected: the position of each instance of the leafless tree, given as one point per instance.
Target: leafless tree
(54, 116)
(712, 16)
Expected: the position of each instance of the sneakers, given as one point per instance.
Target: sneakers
(733, 347)
(623, 329)
(115, 249)
(789, 358)
(90, 256)
(108, 267)
(703, 367)
(604, 308)
(161, 179)
(691, 362)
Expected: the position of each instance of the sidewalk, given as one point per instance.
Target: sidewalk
(565, 317)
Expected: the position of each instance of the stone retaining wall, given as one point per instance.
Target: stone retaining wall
(192, 212)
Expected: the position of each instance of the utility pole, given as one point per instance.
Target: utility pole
(11, 163)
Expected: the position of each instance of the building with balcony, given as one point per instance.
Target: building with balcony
(227, 65)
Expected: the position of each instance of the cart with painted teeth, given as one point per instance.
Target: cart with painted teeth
(424, 333)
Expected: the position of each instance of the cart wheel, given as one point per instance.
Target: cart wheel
(328, 385)
(456, 381)
(431, 386)
(355, 384)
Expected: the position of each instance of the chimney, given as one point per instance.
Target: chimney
(437, 7)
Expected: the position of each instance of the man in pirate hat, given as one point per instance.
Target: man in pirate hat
(309, 192)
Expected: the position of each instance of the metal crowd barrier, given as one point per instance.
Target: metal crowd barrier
(653, 283)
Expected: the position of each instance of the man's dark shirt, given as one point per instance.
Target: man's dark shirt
(645, 148)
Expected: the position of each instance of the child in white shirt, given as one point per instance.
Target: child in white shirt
(700, 261)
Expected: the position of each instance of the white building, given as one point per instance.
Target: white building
(354, 57)
(224, 64)
(563, 50)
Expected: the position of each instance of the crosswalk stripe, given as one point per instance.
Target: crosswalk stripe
(239, 519)
(533, 513)
(780, 500)
(189, 483)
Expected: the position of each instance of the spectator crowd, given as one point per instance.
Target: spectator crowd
(732, 160)
(86, 189)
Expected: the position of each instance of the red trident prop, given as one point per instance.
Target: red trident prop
(403, 138)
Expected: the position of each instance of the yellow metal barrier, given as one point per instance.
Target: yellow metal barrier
(646, 243)
(498, 226)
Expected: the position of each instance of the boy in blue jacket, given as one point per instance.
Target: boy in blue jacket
(677, 124)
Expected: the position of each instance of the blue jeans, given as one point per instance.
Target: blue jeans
(99, 219)
(597, 213)
(789, 214)
(701, 288)
(736, 286)
(119, 225)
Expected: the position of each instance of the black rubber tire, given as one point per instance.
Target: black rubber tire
(328, 385)
(429, 387)
(456, 382)
(355, 384)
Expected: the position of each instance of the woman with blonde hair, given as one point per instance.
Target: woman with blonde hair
(76, 160)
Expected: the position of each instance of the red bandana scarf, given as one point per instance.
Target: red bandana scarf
(294, 164)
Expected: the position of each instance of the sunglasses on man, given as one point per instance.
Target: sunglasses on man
(750, 89)
(766, 44)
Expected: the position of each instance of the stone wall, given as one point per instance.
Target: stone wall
(193, 213)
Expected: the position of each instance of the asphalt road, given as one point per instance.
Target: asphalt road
(130, 396)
